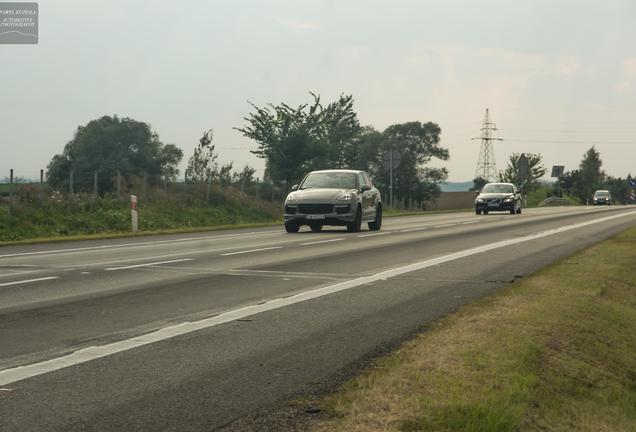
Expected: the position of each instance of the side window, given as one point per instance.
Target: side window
(367, 179)
(361, 180)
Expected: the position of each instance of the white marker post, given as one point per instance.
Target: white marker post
(133, 212)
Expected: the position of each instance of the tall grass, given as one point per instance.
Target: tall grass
(59, 215)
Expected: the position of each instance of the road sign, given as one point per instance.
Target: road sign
(397, 158)
(632, 196)
(522, 164)
(632, 182)
(557, 170)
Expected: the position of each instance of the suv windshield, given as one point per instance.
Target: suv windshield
(601, 194)
(497, 188)
(333, 180)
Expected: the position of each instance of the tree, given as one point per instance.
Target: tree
(478, 183)
(536, 170)
(202, 166)
(619, 188)
(417, 143)
(363, 151)
(109, 145)
(297, 140)
(591, 176)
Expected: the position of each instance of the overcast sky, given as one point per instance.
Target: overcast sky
(558, 76)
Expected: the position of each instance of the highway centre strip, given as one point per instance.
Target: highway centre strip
(19, 373)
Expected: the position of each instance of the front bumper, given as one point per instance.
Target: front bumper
(304, 214)
(500, 206)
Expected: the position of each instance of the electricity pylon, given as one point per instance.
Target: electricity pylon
(486, 168)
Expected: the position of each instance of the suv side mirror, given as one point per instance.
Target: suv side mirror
(477, 192)
(294, 187)
(365, 188)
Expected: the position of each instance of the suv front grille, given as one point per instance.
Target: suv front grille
(315, 208)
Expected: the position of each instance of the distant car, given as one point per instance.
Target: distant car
(333, 197)
(498, 197)
(602, 197)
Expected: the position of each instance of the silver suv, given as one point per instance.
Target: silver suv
(333, 197)
(602, 197)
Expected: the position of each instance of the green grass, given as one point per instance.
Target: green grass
(556, 352)
(536, 197)
(86, 217)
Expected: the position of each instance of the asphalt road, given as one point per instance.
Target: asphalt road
(192, 332)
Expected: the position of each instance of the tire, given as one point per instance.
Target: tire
(519, 210)
(485, 212)
(377, 223)
(316, 227)
(513, 211)
(357, 221)
(477, 212)
(291, 227)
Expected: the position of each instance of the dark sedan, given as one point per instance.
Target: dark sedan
(498, 197)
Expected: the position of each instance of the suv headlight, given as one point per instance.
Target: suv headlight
(347, 196)
(291, 198)
(509, 199)
(481, 200)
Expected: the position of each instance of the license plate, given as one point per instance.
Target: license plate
(493, 204)
(315, 216)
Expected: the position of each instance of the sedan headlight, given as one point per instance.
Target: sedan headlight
(509, 199)
(481, 200)
(345, 197)
(291, 197)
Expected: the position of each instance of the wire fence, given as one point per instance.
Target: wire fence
(20, 187)
(33, 186)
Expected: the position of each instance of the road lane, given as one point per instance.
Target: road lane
(231, 369)
(113, 299)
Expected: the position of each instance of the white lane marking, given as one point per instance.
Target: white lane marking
(28, 281)
(149, 264)
(375, 234)
(470, 222)
(443, 226)
(251, 250)
(149, 243)
(8, 376)
(415, 229)
(322, 241)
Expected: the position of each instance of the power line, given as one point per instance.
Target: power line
(571, 141)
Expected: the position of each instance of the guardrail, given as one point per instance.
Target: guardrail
(555, 201)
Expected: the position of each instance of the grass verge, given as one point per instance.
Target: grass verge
(555, 352)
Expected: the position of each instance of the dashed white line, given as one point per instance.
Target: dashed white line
(415, 229)
(375, 234)
(28, 281)
(149, 264)
(444, 226)
(148, 243)
(251, 250)
(321, 241)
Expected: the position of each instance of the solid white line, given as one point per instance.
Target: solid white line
(321, 241)
(375, 234)
(28, 281)
(149, 264)
(251, 250)
(149, 243)
(19, 373)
